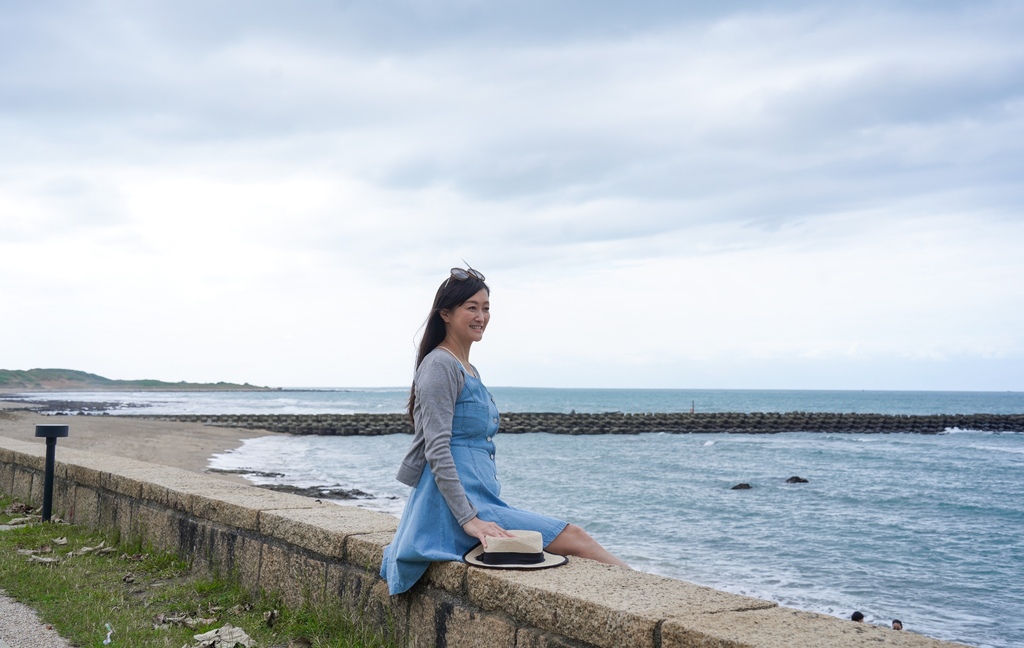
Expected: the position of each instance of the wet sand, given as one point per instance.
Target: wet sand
(169, 443)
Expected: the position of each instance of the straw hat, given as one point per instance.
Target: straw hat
(523, 551)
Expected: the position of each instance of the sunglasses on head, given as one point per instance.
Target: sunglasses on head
(461, 275)
(458, 274)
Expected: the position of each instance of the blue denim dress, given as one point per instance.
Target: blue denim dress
(428, 531)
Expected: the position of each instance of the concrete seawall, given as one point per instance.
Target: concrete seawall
(619, 423)
(305, 549)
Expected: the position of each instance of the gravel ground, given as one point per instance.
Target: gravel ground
(20, 627)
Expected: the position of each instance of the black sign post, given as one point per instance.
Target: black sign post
(51, 433)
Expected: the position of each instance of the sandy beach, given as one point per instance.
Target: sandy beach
(170, 443)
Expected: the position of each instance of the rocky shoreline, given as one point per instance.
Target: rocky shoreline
(620, 423)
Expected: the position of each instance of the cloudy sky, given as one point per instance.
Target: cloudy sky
(746, 195)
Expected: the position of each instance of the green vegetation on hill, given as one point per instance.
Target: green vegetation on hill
(72, 380)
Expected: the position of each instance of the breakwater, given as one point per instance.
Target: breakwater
(620, 423)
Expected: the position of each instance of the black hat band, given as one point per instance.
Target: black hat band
(511, 558)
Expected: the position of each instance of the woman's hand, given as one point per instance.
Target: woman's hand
(480, 530)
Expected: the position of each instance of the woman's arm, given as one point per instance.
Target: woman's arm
(438, 384)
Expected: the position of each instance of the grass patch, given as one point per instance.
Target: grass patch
(80, 580)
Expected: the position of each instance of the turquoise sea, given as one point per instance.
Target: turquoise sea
(526, 399)
(925, 528)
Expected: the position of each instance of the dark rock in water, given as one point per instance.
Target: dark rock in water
(796, 480)
(743, 486)
(329, 492)
(245, 471)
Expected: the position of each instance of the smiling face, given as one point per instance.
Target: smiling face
(467, 321)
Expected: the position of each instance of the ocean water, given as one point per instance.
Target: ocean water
(525, 399)
(925, 528)
(928, 529)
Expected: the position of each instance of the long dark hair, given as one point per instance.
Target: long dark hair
(451, 294)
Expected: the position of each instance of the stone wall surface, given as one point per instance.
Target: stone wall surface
(305, 549)
(619, 423)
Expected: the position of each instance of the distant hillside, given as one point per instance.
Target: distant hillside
(71, 380)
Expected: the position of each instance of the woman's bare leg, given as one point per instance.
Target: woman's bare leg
(574, 541)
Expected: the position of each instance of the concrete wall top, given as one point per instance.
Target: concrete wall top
(585, 601)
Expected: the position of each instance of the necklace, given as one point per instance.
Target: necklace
(464, 364)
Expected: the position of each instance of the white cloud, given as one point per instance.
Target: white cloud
(806, 196)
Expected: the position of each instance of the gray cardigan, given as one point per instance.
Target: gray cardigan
(438, 382)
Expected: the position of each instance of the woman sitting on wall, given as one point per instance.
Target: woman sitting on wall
(455, 502)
